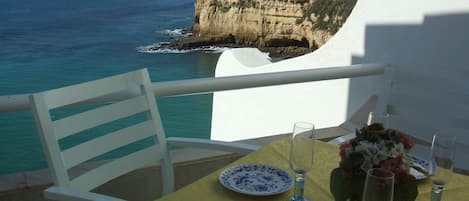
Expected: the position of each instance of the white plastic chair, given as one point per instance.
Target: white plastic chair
(60, 161)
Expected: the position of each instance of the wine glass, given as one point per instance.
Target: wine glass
(379, 185)
(441, 161)
(301, 156)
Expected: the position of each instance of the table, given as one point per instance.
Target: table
(326, 158)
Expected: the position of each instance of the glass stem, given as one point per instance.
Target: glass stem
(299, 187)
(437, 191)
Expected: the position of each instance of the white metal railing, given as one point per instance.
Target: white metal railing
(20, 102)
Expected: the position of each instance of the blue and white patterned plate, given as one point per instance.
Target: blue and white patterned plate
(256, 179)
(423, 164)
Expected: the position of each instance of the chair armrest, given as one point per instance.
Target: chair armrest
(235, 147)
(342, 139)
(67, 194)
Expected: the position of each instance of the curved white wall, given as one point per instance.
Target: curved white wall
(424, 40)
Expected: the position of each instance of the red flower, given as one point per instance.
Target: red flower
(394, 165)
(408, 143)
(343, 147)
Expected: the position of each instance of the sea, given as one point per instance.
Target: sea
(55, 43)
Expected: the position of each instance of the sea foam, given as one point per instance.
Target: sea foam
(163, 47)
(176, 32)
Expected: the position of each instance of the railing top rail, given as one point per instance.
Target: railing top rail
(20, 102)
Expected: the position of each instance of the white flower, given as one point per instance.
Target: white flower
(375, 152)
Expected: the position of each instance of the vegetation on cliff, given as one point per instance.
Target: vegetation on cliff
(324, 9)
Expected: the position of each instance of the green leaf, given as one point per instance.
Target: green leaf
(343, 188)
(406, 190)
(338, 189)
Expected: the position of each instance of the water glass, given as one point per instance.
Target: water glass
(379, 185)
(441, 160)
(301, 156)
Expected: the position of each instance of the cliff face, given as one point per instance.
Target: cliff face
(271, 23)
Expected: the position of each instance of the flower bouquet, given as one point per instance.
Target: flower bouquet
(374, 147)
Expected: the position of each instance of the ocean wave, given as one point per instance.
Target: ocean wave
(176, 32)
(163, 47)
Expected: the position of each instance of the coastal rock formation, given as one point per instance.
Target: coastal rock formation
(303, 24)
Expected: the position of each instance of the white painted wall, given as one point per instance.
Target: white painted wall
(258, 112)
(426, 41)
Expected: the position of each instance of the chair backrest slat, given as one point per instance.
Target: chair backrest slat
(109, 142)
(117, 167)
(88, 90)
(92, 118)
(51, 131)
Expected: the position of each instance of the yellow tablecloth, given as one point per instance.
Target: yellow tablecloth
(326, 158)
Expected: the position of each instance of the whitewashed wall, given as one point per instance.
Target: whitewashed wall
(426, 41)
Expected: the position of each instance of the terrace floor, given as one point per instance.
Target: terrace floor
(189, 165)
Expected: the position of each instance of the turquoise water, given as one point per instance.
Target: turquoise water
(50, 44)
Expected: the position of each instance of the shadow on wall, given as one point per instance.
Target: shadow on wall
(430, 91)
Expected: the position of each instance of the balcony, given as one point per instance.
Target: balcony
(428, 91)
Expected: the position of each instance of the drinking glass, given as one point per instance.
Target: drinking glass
(301, 156)
(441, 160)
(379, 185)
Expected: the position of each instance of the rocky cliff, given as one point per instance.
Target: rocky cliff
(304, 24)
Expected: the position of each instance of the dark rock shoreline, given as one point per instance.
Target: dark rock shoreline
(230, 41)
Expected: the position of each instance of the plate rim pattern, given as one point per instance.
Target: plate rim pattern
(256, 193)
(416, 157)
